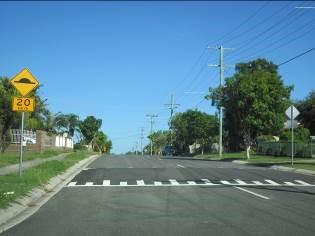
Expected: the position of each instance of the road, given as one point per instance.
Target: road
(142, 195)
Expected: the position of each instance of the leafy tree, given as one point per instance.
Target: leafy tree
(8, 118)
(307, 112)
(101, 142)
(300, 134)
(193, 126)
(89, 127)
(67, 122)
(159, 140)
(254, 101)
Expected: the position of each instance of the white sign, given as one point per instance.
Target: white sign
(295, 112)
(287, 124)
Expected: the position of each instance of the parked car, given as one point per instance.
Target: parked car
(169, 151)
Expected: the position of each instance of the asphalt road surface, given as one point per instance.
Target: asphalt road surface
(120, 195)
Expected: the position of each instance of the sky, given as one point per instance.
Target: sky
(120, 61)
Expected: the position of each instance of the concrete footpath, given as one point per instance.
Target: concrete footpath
(28, 164)
(27, 205)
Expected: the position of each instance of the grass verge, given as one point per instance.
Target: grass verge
(35, 177)
(254, 158)
(309, 166)
(14, 157)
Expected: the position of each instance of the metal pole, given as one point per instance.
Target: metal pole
(141, 141)
(292, 136)
(151, 144)
(21, 146)
(221, 108)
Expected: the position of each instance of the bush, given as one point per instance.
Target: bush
(79, 147)
(300, 134)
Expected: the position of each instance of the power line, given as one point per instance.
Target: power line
(297, 56)
(241, 24)
(273, 30)
(284, 37)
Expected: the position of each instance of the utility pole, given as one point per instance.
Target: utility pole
(172, 106)
(221, 66)
(141, 142)
(152, 116)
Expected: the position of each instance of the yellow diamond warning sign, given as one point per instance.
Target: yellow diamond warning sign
(24, 82)
(23, 104)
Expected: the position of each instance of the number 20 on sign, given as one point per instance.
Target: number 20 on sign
(23, 104)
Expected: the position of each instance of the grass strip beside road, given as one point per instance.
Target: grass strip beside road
(35, 177)
(14, 157)
(310, 166)
(254, 158)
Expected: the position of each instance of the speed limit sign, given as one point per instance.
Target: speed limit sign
(23, 104)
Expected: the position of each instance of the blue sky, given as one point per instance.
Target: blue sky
(119, 61)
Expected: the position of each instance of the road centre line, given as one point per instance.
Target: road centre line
(250, 192)
(180, 166)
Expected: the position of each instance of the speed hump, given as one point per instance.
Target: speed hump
(23, 104)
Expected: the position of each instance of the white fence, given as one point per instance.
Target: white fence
(29, 136)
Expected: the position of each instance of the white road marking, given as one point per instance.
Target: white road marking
(173, 181)
(302, 182)
(140, 182)
(240, 182)
(106, 182)
(256, 194)
(180, 166)
(271, 182)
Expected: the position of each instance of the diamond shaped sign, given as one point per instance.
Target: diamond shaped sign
(295, 112)
(24, 82)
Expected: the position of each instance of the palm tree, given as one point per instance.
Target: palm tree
(67, 122)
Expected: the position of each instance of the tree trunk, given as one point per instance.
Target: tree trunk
(247, 152)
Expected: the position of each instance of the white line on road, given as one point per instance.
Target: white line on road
(302, 182)
(89, 183)
(173, 181)
(289, 183)
(106, 182)
(180, 166)
(240, 182)
(258, 182)
(72, 183)
(271, 182)
(157, 183)
(123, 183)
(256, 194)
(140, 182)
(191, 182)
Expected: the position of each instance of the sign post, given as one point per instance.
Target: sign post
(24, 82)
(21, 145)
(292, 113)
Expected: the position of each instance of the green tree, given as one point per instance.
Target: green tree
(89, 127)
(67, 123)
(8, 118)
(300, 134)
(307, 112)
(101, 142)
(254, 100)
(159, 140)
(193, 126)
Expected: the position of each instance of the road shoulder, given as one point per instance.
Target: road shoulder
(28, 205)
